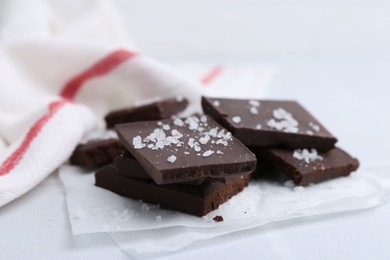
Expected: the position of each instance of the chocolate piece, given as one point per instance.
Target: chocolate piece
(154, 111)
(267, 123)
(96, 153)
(305, 166)
(177, 150)
(195, 200)
(126, 165)
(218, 218)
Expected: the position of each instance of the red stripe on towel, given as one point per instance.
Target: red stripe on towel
(103, 66)
(212, 75)
(69, 91)
(17, 155)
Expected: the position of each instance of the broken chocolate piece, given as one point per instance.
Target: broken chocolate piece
(196, 200)
(269, 123)
(218, 218)
(305, 166)
(181, 150)
(96, 153)
(154, 111)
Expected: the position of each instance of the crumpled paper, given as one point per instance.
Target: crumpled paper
(140, 228)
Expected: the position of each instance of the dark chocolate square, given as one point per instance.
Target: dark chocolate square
(153, 111)
(179, 150)
(269, 123)
(196, 200)
(305, 166)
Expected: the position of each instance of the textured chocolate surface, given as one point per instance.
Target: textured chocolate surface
(181, 150)
(308, 166)
(96, 153)
(267, 123)
(195, 200)
(154, 111)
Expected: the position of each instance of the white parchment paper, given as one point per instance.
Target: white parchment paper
(141, 228)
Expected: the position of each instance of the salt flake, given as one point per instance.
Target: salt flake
(306, 155)
(207, 153)
(236, 119)
(166, 127)
(314, 127)
(137, 142)
(254, 111)
(171, 159)
(254, 103)
(178, 122)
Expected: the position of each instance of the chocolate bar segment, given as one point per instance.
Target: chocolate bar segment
(269, 123)
(126, 165)
(96, 153)
(182, 150)
(305, 166)
(154, 111)
(194, 200)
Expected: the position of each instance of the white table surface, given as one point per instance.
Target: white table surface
(36, 225)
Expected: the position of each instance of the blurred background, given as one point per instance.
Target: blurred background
(253, 29)
(248, 29)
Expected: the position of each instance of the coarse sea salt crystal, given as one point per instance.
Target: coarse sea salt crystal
(176, 134)
(179, 98)
(207, 153)
(287, 122)
(306, 155)
(178, 122)
(191, 142)
(254, 110)
(314, 127)
(258, 126)
(236, 119)
(171, 159)
(197, 147)
(228, 136)
(137, 142)
(204, 139)
(166, 127)
(254, 103)
(221, 133)
(192, 122)
(213, 132)
(280, 113)
(216, 103)
(221, 141)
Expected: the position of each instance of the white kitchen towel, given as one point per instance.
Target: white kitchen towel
(64, 65)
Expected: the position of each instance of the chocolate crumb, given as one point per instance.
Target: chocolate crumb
(218, 218)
